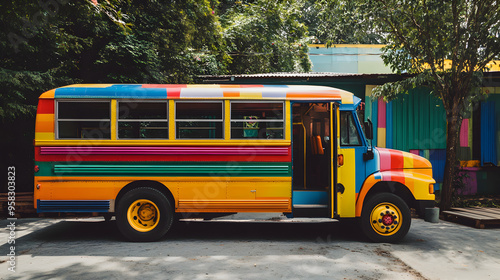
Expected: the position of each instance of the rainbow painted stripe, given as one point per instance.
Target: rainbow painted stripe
(165, 91)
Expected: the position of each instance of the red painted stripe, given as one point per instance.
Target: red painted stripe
(395, 176)
(82, 156)
(117, 150)
(45, 106)
(397, 159)
(174, 93)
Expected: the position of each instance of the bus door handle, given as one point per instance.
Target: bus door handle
(253, 191)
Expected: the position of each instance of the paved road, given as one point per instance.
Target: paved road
(92, 249)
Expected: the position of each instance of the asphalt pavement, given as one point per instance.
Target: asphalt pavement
(239, 247)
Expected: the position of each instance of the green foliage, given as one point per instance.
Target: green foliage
(424, 35)
(266, 36)
(342, 22)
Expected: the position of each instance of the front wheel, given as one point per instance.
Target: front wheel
(144, 214)
(385, 218)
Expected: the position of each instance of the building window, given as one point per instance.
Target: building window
(83, 119)
(199, 120)
(258, 120)
(349, 135)
(143, 120)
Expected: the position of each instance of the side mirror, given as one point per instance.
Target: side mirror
(369, 129)
(369, 135)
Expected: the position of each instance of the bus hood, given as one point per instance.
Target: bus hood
(394, 159)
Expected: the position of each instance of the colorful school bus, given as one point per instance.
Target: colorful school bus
(149, 154)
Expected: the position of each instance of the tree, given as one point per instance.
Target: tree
(51, 43)
(341, 22)
(265, 36)
(445, 46)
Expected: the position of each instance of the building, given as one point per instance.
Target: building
(415, 122)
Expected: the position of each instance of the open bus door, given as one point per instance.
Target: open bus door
(334, 143)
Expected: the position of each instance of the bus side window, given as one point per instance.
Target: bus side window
(199, 120)
(83, 119)
(257, 119)
(138, 120)
(349, 135)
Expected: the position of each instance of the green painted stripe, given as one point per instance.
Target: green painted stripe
(259, 169)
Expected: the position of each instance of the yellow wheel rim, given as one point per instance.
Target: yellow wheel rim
(386, 219)
(143, 215)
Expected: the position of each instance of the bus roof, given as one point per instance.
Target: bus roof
(202, 91)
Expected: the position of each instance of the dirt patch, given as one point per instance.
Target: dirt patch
(402, 265)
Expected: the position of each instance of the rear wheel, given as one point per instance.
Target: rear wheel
(385, 218)
(144, 214)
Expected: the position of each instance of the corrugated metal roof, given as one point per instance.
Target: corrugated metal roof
(322, 75)
(302, 75)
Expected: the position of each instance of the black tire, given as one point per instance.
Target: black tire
(385, 218)
(144, 214)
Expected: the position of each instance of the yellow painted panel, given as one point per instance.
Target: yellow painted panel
(251, 95)
(408, 160)
(275, 192)
(171, 120)
(227, 120)
(48, 94)
(255, 190)
(347, 97)
(347, 177)
(369, 89)
(44, 136)
(243, 190)
(381, 137)
(419, 184)
(494, 65)
(288, 130)
(114, 116)
(77, 190)
(207, 190)
(332, 159)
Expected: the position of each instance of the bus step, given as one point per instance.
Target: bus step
(302, 206)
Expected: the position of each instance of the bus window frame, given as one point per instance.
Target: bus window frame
(359, 130)
(57, 119)
(167, 120)
(222, 120)
(283, 120)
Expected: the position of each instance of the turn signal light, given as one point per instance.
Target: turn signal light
(431, 188)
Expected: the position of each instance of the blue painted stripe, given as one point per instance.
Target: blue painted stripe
(79, 206)
(488, 133)
(273, 94)
(310, 197)
(437, 159)
(374, 119)
(114, 91)
(388, 123)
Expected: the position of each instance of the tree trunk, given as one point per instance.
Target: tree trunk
(453, 124)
